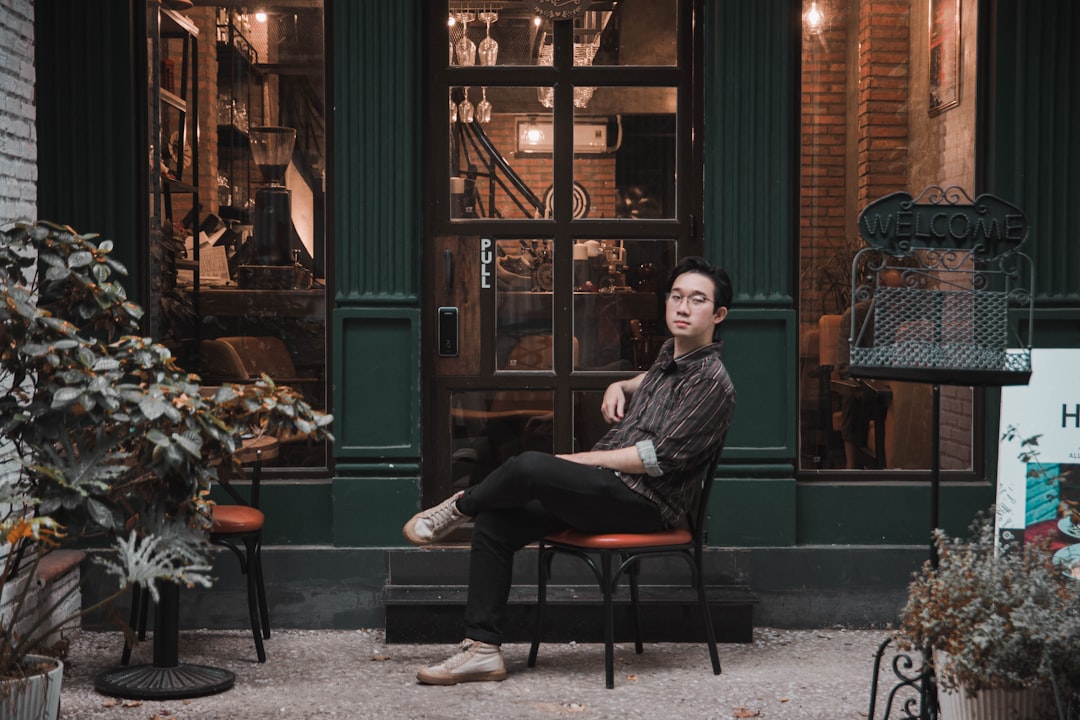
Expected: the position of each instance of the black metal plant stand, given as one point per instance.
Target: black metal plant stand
(167, 678)
(932, 296)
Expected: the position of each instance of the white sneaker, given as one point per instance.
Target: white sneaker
(435, 523)
(477, 662)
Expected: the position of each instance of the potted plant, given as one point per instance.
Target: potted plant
(103, 436)
(1004, 625)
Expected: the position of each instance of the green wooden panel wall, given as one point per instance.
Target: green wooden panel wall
(760, 351)
(1034, 148)
(376, 112)
(750, 181)
(376, 382)
(91, 174)
(376, 88)
(750, 133)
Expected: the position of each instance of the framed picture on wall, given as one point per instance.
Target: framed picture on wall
(944, 55)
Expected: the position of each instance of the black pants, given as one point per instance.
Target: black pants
(527, 497)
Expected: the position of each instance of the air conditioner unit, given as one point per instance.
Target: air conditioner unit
(538, 136)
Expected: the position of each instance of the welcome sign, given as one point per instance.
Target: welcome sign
(943, 218)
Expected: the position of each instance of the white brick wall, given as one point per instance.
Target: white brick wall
(18, 135)
(18, 146)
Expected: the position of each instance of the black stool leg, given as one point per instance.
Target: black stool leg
(609, 622)
(634, 571)
(543, 572)
(253, 603)
(264, 610)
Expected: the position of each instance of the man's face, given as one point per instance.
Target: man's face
(688, 317)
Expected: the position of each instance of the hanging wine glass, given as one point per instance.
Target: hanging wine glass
(489, 48)
(483, 108)
(465, 110)
(465, 48)
(453, 108)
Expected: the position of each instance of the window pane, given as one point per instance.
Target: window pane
(489, 427)
(618, 313)
(609, 33)
(493, 34)
(500, 152)
(624, 160)
(631, 33)
(589, 424)
(867, 131)
(257, 301)
(524, 274)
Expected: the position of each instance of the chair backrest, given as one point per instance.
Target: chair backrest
(698, 511)
(828, 339)
(263, 354)
(220, 362)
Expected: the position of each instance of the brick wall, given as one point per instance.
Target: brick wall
(884, 92)
(18, 145)
(823, 218)
(18, 135)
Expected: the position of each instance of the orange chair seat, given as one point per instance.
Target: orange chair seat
(236, 519)
(618, 541)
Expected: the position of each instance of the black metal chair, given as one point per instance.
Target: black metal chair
(629, 549)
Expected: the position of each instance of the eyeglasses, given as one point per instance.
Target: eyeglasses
(697, 300)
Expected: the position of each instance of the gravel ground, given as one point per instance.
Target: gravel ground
(783, 674)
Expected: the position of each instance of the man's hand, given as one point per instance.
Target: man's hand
(613, 406)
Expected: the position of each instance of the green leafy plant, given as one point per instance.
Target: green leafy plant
(103, 435)
(1006, 617)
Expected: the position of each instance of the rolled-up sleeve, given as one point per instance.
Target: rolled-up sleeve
(647, 452)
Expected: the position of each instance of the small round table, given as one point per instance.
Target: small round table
(167, 678)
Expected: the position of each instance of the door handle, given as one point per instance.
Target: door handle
(448, 257)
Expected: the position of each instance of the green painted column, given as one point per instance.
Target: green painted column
(751, 134)
(376, 264)
(750, 212)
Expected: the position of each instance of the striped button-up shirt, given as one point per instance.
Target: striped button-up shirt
(677, 419)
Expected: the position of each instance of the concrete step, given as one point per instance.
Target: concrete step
(434, 613)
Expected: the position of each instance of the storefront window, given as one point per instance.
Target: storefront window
(243, 271)
(870, 127)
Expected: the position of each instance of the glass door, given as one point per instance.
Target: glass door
(563, 185)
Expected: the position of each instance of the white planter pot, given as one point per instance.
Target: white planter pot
(1025, 704)
(957, 704)
(35, 698)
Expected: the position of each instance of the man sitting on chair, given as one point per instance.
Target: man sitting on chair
(641, 477)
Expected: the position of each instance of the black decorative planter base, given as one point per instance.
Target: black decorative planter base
(146, 682)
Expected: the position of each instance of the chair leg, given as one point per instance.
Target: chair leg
(634, 571)
(253, 604)
(542, 573)
(609, 622)
(710, 637)
(264, 610)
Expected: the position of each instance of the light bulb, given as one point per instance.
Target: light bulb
(260, 16)
(813, 16)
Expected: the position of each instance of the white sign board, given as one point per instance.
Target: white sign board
(1039, 480)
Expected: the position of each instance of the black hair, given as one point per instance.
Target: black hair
(721, 281)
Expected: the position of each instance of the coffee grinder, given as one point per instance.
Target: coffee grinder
(270, 261)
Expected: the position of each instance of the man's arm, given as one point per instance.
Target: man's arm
(626, 459)
(613, 405)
